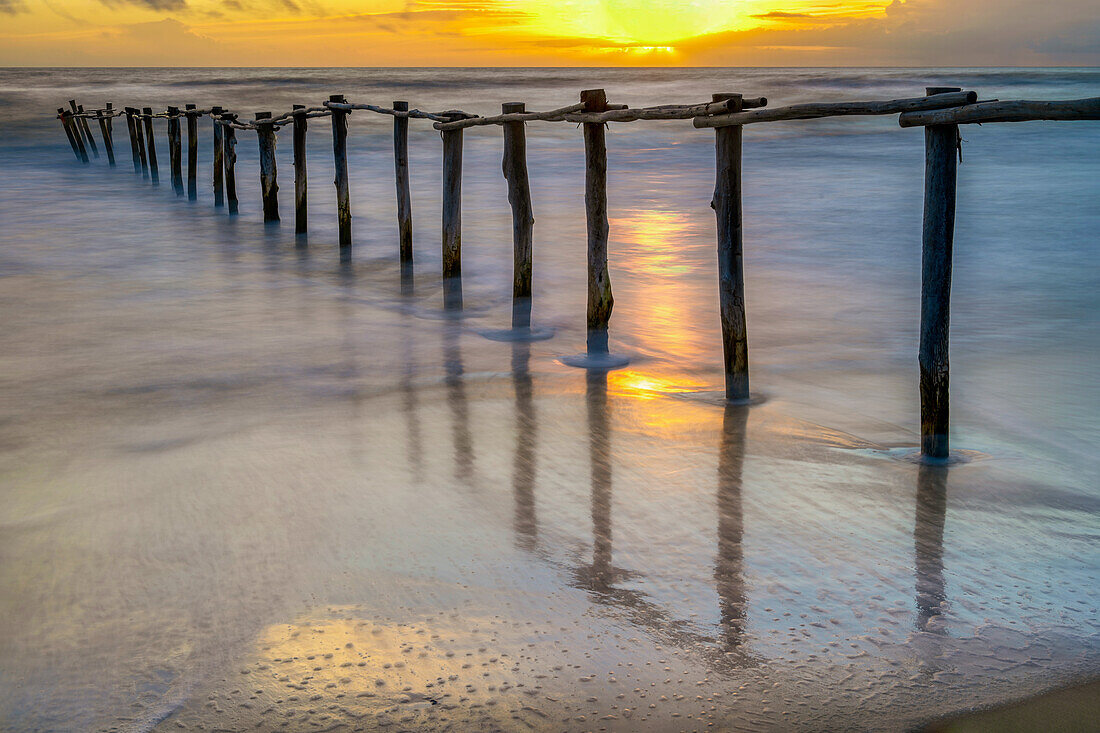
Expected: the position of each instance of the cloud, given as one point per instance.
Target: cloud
(780, 15)
(11, 7)
(159, 5)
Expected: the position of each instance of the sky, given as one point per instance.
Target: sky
(549, 33)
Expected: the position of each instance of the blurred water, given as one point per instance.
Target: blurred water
(226, 456)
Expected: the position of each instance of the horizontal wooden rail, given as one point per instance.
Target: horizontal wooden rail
(614, 113)
(1008, 111)
(839, 109)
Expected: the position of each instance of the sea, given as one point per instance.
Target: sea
(249, 484)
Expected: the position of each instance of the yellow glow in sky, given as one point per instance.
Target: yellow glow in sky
(538, 32)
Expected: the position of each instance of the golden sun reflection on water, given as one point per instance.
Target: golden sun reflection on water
(651, 245)
(647, 386)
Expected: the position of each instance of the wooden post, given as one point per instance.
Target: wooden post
(514, 166)
(269, 185)
(401, 173)
(941, 143)
(301, 215)
(134, 155)
(340, 160)
(192, 152)
(731, 271)
(600, 300)
(229, 149)
(219, 193)
(78, 130)
(70, 133)
(105, 131)
(154, 171)
(82, 123)
(139, 127)
(175, 150)
(452, 218)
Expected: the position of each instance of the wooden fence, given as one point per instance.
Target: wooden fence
(940, 112)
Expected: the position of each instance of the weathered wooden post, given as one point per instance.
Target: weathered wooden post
(192, 115)
(154, 171)
(219, 194)
(175, 150)
(139, 126)
(105, 131)
(229, 149)
(452, 218)
(731, 271)
(401, 174)
(301, 215)
(69, 133)
(82, 124)
(514, 166)
(269, 185)
(600, 300)
(340, 160)
(941, 143)
(134, 155)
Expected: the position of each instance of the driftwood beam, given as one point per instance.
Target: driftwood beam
(514, 167)
(452, 219)
(600, 300)
(219, 159)
(940, 169)
(835, 109)
(1007, 111)
(229, 161)
(613, 113)
(301, 211)
(192, 151)
(401, 180)
(731, 268)
(175, 150)
(340, 160)
(154, 171)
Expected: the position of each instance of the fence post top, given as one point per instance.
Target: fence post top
(401, 106)
(216, 110)
(512, 107)
(336, 98)
(595, 100)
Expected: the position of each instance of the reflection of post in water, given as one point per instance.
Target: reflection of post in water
(599, 451)
(523, 470)
(729, 573)
(410, 407)
(928, 544)
(456, 398)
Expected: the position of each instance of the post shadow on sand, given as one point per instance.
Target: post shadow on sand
(729, 571)
(410, 404)
(458, 402)
(523, 467)
(601, 575)
(931, 514)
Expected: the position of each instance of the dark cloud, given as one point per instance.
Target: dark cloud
(11, 7)
(160, 5)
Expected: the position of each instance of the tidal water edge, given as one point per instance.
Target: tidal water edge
(246, 485)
